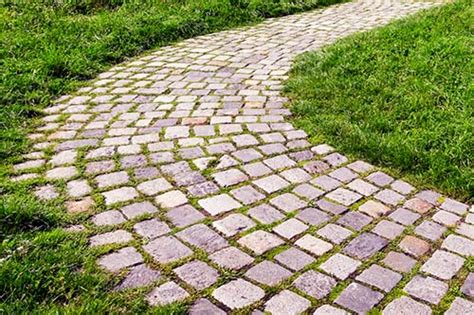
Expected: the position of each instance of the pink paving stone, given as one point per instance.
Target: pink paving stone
(167, 249)
(314, 245)
(374, 209)
(260, 241)
(231, 258)
(151, 229)
(197, 274)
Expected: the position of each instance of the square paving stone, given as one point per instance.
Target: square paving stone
(271, 184)
(330, 207)
(314, 245)
(265, 214)
(344, 196)
(203, 189)
(294, 259)
(307, 191)
(402, 187)
(115, 237)
(290, 228)
(430, 230)
(188, 178)
(287, 302)
(380, 179)
(219, 204)
(446, 218)
(380, 277)
(399, 262)
(184, 216)
(171, 199)
(166, 293)
(315, 284)
(146, 173)
(151, 229)
(78, 188)
(296, 175)
(229, 178)
(443, 265)
(268, 273)
(231, 258)
(404, 216)
(247, 155)
(414, 246)
(335, 159)
(365, 246)
(288, 202)
(389, 197)
(139, 276)
(355, 220)
(326, 183)
(329, 310)
(119, 195)
(120, 259)
(406, 305)
(362, 187)
(374, 209)
(418, 205)
(468, 286)
(427, 289)
(460, 306)
(205, 307)
(343, 174)
(313, 216)
(388, 229)
(112, 179)
(340, 266)
(167, 249)
(138, 209)
(197, 274)
(256, 169)
(260, 241)
(154, 186)
(459, 245)
(334, 233)
(111, 217)
(233, 224)
(247, 195)
(454, 206)
(279, 162)
(360, 166)
(203, 237)
(359, 298)
(238, 294)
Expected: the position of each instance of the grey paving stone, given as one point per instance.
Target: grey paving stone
(414, 246)
(229, 177)
(115, 237)
(334, 233)
(316, 167)
(446, 218)
(166, 293)
(329, 310)
(288, 202)
(120, 195)
(144, 173)
(344, 196)
(205, 307)
(330, 207)
(120, 259)
(294, 259)
(430, 230)
(399, 262)
(184, 215)
(454, 206)
(335, 159)
(257, 169)
(47, 192)
(171, 199)
(271, 184)
(460, 306)
(290, 228)
(388, 229)
(219, 204)
(151, 229)
(287, 302)
(260, 241)
(238, 294)
(404, 216)
(203, 237)
(203, 189)
(139, 276)
(167, 249)
(380, 179)
(231, 258)
(64, 172)
(405, 306)
(443, 265)
(340, 266)
(307, 191)
(459, 245)
(374, 209)
(389, 197)
(380, 277)
(138, 209)
(427, 289)
(279, 162)
(233, 224)
(355, 220)
(326, 183)
(402, 187)
(296, 175)
(360, 166)
(111, 217)
(78, 188)
(468, 286)
(362, 187)
(343, 174)
(265, 214)
(365, 245)
(247, 195)
(112, 179)
(268, 273)
(466, 230)
(358, 298)
(247, 155)
(313, 216)
(314, 245)
(100, 167)
(197, 274)
(315, 284)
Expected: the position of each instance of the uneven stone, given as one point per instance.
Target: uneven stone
(405, 306)
(287, 302)
(443, 265)
(231, 258)
(268, 273)
(427, 289)
(203, 237)
(123, 258)
(358, 298)
(167, 249)
(166, 293)
(139, 276)
(315, 284)
(340, 266)
(380, 277)
(260, 241)
(197, 274)
(238, 294)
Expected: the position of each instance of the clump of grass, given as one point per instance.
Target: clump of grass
(400, 96)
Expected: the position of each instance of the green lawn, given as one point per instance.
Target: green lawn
(47, 50)
(400, 96)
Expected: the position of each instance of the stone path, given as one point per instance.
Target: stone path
(188, 167)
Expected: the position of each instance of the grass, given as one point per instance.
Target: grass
(48, 49)
(400, 96)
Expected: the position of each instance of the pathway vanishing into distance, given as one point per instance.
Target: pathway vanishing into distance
(185, 158)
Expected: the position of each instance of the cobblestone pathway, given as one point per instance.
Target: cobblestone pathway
(187, 164)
